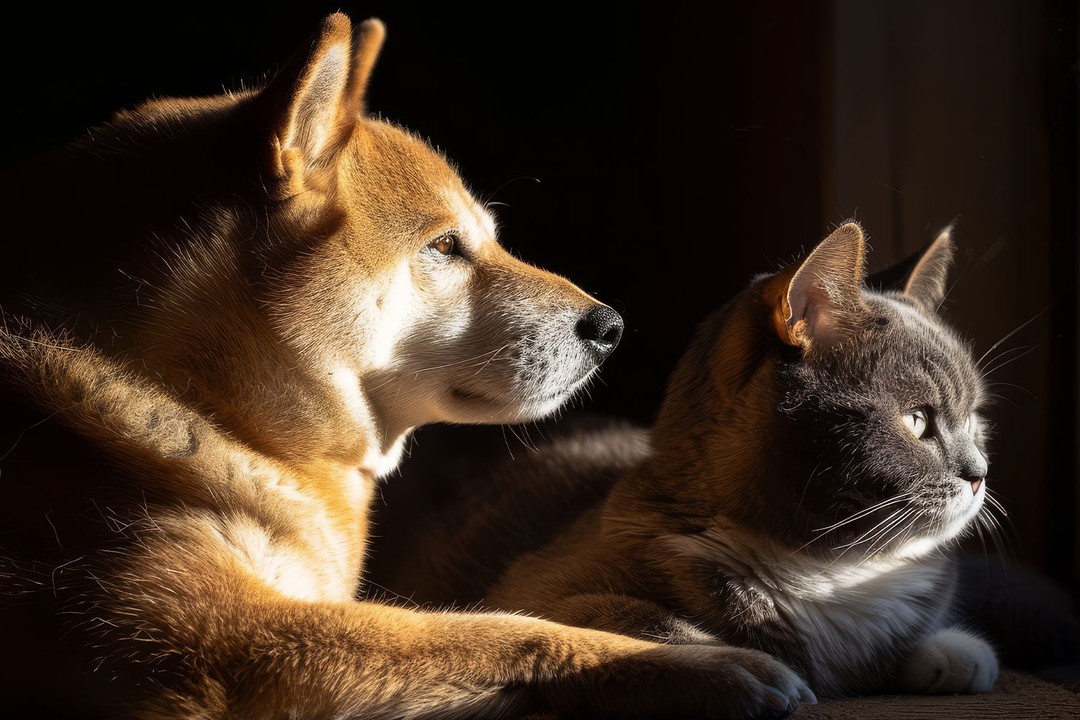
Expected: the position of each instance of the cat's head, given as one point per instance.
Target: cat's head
(840, 420)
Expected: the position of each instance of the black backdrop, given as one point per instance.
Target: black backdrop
(660, 154)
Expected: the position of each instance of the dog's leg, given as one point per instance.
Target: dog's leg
(239, 649)
(195, 600)
(626, 615)
(371, 661)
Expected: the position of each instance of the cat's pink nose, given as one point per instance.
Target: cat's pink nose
(976, 482)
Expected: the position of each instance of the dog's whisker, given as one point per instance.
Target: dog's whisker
(493, 356)
(483, 357)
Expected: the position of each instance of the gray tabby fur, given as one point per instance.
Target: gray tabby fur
(779, 502)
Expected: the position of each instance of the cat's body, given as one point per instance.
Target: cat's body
(818, 446)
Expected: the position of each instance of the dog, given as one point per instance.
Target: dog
(195, 443)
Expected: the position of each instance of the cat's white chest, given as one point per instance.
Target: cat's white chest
(851, 622)
(853, 618)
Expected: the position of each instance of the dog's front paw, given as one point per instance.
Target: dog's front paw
(770, 687)
(950, 661)
(711, 682)
(743, 683)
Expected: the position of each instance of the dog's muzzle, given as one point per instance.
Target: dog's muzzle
(600, 329)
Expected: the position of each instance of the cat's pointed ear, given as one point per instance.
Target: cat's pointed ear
(314, 103)
(926, 285)
(822, 296)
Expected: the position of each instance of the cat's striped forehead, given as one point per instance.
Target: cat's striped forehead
(921, 359)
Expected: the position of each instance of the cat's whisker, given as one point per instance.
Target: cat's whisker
(894, 537)
(1005, 546)
(995, 398)
(1002, 539)
(1021, 388)
(999, 383)
(1010, 334)
(1001, 355)
(1001, 543)
(999, 365)
(866, 511)
(822, 532)
(978, 525)
(996, 504)
(894, 518)
(884, 531)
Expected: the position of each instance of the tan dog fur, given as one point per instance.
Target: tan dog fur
(228, 425)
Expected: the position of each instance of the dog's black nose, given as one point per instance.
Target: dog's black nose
(600, 329)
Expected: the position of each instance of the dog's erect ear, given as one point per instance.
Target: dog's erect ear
(926, 284)
(818, 300)
(315, 101)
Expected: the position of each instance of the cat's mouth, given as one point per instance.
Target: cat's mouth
(909, 531)
(970, 492)
(954, 517)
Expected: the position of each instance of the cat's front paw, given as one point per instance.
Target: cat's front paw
(950, 661)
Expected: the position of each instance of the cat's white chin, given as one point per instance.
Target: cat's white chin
(965, 504)
(956, 517)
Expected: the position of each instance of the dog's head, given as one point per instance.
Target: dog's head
(388, 277)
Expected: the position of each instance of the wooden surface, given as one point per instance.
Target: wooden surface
(1016, 696)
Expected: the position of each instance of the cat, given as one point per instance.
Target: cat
(819, 445)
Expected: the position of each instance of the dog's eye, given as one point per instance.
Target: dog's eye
(446, 244)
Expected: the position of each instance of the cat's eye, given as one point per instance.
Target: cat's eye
(447, 244)
(916, 422)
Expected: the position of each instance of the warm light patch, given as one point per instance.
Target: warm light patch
(348, 385)
(477, 225)
(396, 310)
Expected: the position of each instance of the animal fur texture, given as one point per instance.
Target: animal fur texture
(223, 317)
(819, 445)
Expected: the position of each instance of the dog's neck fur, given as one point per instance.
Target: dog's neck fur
(204, 336)
(201, 331)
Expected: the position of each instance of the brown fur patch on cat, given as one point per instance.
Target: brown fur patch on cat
(818, 444)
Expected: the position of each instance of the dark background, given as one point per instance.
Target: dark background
(661, 154)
